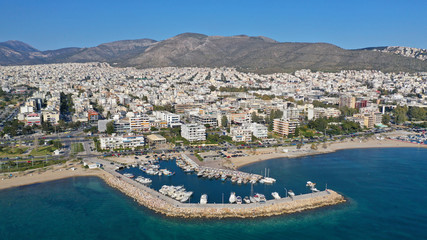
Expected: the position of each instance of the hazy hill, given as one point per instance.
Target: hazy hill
(256, 54)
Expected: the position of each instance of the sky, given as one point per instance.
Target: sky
(53, 24)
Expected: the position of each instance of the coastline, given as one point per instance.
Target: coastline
(293, 152)
(30, 177)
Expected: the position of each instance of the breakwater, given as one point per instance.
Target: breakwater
(172, 208)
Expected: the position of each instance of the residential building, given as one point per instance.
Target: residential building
(347, 101)
(241, 133)
(92, 115)
(193, 132)
(259, 130)
(284, 126)
(121, 141)
(51, 116)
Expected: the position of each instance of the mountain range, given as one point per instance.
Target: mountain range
(246, 53)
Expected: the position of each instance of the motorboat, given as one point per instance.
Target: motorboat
(268, 180)
(239, 200)
(129, 175)
(257, 197)
(291, 193)
(310, 184)
(252, 199)
(262, 198)
(223, 177)
(204, 199)
(246, 200)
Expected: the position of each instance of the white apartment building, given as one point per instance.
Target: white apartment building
(259, 130)
(124, 141)
(139, 123)
(241, 133)
(193, 132)
(172, 119)
(205, 119)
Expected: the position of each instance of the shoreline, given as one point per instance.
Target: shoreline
(34, 176)
(293, 152)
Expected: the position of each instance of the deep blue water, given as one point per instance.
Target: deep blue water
(386, 189)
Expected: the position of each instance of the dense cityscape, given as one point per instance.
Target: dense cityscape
(205, 105)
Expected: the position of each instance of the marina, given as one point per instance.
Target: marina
(175, 173)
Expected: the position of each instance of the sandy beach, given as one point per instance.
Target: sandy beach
(50, 174)
(293, 152)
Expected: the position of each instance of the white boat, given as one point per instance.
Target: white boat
(310, 184)
(275, 195)
(262, 198)
(268, 180)
(252, 199)
(204, 199)
(246, 199)
(129, 175)
(257, 197)
(232, 198)
(291, 193)
(184, 199)
(239, 200)
(146, 181)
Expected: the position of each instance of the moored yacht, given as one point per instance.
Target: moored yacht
(275, 195)
(204, 199)
(232, 198)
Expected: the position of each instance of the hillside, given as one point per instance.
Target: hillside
(254, 54)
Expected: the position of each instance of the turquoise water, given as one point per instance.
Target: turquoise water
(386, 189)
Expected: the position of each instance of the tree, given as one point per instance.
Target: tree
(212, 88)
(400, 114)
(224, 121)
(417, 113)
(255, 118)
(57, 144)
(386, 119)
(110, 127)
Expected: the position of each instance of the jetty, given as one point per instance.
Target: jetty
(235, 175)
(167, 206)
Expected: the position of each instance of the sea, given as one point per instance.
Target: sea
(386, 191)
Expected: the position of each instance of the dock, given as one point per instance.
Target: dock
(246, 177)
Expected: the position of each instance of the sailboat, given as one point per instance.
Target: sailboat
(232, 198)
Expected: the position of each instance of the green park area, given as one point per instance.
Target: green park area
(77, 147)
(43, 150)
(12, 151)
